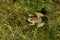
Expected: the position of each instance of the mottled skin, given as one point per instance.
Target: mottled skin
(37, 19)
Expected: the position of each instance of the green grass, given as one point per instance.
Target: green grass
(14, 24)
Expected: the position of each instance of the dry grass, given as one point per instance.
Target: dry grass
(14, 26)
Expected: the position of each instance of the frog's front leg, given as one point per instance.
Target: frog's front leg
(32, 23)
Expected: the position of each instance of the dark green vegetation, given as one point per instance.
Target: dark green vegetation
(14, 26)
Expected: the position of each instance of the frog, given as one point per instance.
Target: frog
(36, 19)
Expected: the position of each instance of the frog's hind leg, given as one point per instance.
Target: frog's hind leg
(41, 24)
